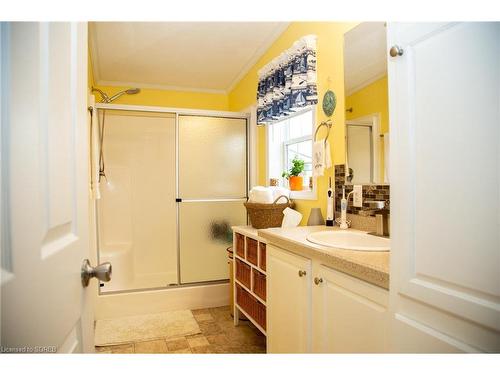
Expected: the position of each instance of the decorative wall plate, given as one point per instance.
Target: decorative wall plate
(329, 103)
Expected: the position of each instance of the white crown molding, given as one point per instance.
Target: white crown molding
(255, 57)
(258, 54)
(160, 87)
(365, 83)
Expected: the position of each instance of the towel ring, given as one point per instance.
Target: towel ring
(328, 124)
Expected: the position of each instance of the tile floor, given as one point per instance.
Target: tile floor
(218, 335)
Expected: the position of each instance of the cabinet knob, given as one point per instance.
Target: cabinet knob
(396, 51)
(318, 280)
(302, 273)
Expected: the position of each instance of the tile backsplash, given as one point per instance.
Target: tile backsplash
(370, 192)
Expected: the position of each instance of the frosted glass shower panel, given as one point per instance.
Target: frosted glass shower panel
(212, 157)
(205, 234)
(137, 210)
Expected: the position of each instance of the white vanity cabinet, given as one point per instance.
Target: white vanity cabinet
(322, 311)
(349, 315)
(288, 302)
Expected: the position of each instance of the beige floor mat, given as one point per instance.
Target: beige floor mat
(145, 327)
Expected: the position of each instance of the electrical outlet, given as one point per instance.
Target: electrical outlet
(358, 196)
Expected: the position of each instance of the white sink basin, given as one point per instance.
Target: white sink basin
(350, 240)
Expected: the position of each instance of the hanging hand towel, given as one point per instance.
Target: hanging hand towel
(321, 158)
(328, 156)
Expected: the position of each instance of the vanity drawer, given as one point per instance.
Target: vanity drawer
(262, 256)
(260, 314)
(252, 250)
(259, 284)
(240, 245)
(243, 273)
(251, 306)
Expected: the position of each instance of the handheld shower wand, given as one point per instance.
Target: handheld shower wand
(128, 92)
(104, 96)
(106, 99)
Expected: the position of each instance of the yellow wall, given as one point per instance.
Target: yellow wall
(329, 66)
(369, 100)
(165, 98)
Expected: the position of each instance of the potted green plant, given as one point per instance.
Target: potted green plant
(294, 180)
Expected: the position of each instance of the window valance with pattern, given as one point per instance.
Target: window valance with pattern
(288, 83)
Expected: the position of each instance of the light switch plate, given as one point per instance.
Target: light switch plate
(358, 196)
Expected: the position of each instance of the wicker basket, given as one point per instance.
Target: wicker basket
(264, 215)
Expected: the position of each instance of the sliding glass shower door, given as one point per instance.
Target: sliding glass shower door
(212, 186)
(149, 162)
(137, 211)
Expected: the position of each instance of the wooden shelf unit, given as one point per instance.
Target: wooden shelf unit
(249, 276)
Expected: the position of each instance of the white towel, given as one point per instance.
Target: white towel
(322, 158)
(278, 191)
(328, 156)
(260, 194)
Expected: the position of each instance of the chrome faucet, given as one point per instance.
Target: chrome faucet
(381, 211)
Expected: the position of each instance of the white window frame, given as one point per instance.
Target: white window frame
(303, 194)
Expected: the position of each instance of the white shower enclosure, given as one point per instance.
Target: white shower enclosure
(174, 183)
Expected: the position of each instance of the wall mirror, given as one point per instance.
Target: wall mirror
(366, 104)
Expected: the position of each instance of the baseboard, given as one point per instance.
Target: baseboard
(146, 302)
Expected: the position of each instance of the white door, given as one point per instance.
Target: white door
(44, 187)
(288, 302)
(349, 315)
(444, 95)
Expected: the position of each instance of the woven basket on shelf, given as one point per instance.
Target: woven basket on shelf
(267, 215)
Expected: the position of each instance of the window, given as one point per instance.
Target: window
(287, 139)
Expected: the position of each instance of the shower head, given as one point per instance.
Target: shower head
(131, 91)
(107, 99)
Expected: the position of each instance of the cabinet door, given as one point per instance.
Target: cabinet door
(350, 315)
(444, 94)
(288, 302)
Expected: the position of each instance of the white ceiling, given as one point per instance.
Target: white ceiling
(192, 56)
(365, 55)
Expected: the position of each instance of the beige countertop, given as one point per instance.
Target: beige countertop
(370, 266)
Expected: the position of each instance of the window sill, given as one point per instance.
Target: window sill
(307, 195)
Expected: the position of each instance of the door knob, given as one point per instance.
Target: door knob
(102, 272)
(302, 273)
(318, 280)
(396, 51)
